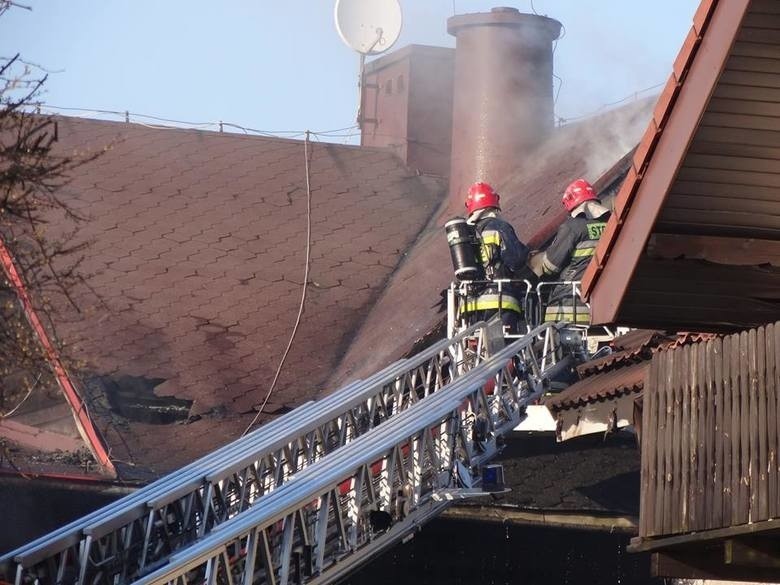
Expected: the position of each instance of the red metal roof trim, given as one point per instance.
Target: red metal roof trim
(613, 361)
(637, 339)
(86, 429)
(688, 339)
(623, 372)
(653, 168)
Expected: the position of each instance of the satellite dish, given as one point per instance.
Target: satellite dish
(369, 27)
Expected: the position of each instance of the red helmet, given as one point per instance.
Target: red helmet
(480, 196)
(578, 192)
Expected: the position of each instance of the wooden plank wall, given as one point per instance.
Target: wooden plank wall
(710, 425)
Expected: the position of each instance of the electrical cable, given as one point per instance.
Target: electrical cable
(127, 116)
(344, 133)
(634, 95)
(307, 168)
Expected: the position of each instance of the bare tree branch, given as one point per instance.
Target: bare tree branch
(37, 225)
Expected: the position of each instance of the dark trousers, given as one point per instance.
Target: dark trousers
(511, 320)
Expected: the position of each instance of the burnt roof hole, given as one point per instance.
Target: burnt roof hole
(133, 398)
(284, 409)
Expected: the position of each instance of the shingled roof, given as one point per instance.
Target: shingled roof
(196, 268)
(196, 263)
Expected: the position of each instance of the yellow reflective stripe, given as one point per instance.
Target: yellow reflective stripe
(491, 238)
(582, 252)
(489, 303)
(567, 315)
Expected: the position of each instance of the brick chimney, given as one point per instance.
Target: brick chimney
(407, 105)
(503, 94)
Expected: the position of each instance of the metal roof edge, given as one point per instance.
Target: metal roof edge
(660, 154)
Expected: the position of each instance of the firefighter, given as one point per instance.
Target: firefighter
(502, 255)
(571, 251)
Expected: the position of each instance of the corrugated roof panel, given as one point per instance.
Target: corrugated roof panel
(603, 386)
(629, 348)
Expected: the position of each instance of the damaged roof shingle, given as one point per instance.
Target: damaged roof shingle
(197, 262)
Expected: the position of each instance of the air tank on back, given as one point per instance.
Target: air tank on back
(464, 249)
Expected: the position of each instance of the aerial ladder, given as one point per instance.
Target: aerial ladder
(427, 458)
(310, 496)
(314, 494)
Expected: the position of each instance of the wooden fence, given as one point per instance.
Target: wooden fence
(710, 434)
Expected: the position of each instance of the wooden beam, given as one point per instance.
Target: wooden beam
(716, 249)
(660, 155)
(697, 295)
(707, 564)
(562, 519)
(705, 536)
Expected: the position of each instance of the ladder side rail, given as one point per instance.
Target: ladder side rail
(179, 488)
(370, 389)
(430, 372)
(369, 392)
(126, 509)
(71, 533)
(128, 500)
(369, 449)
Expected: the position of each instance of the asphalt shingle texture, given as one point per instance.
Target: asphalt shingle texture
(198, 244)
(595, 473)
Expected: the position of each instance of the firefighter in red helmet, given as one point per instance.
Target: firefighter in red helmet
(502, 255)
(571, 251)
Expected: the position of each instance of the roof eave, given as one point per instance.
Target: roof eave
(660, 155)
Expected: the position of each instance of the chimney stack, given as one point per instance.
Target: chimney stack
(503, 93)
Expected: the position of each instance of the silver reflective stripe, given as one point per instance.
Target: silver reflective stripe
(548, 266)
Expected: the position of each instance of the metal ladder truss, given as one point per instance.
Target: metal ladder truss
(377, 490)
(141, 530)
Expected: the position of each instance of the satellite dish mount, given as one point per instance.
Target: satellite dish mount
(369, 27)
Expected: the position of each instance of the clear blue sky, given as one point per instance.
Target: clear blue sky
(280, 65)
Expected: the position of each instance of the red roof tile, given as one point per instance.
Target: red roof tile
(621, 372)
(634, 346)
(603, 386)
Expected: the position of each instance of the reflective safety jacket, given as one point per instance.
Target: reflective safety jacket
(573, 246)
(569, 255)
(504, 256)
